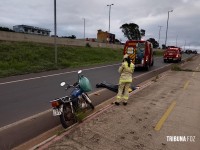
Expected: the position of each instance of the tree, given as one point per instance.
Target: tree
(69, 37)
(117, 41)
(142, 32)
(131, 31)
(73, 37)
(5, 29)
(164, 46)
(154, 42)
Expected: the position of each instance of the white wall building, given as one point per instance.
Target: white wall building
(31, 30)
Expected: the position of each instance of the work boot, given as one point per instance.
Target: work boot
(117, 103)
(124, 103)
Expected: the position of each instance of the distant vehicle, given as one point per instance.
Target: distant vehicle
(54, 36)
(194, 52)
(188, 51)
(140, 52)
(172, 54)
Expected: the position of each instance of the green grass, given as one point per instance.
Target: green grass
(25, 57)
(158, 52)
(176, 68)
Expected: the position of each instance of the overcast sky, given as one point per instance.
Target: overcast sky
(183, 29)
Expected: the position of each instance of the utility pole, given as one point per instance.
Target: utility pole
(55, 33)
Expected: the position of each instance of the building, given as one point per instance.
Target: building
(105, 37)
(31, 30)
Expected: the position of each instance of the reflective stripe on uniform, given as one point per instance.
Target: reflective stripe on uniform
(119, 97)
(125, 97)
(121, 81)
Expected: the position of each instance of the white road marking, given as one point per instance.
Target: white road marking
(24, 120)
(51, 75)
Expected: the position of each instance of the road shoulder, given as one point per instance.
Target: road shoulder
(133, 126)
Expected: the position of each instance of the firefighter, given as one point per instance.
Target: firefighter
(126, 71)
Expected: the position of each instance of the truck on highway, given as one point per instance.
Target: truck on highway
(140, 52)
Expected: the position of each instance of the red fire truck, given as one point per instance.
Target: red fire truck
(140, 52)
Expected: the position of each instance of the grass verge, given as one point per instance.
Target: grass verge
(26, 57)
(159, 52)
(18, 58)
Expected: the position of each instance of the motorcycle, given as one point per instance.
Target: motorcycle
(67, 107)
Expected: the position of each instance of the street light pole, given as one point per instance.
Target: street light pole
(176, 40)
(109, 16)
(55, 33)
(167, 26)
(184, 45)
(159, 35)
(84, 27)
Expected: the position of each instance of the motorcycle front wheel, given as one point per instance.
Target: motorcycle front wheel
(67, 118)
(88, 101)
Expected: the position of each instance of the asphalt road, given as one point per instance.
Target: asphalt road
(27, 95)
(24, 96)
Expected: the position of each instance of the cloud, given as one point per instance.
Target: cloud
(149, 15)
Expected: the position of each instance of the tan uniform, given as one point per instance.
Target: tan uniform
(125, 81)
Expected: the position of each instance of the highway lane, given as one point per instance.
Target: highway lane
(25, 98)
(22, 98)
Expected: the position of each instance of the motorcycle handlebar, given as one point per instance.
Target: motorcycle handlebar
(70, 86)
(75, 84)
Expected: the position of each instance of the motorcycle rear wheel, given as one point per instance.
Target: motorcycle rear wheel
(67, 118)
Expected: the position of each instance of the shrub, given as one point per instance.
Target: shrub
(87, 45)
